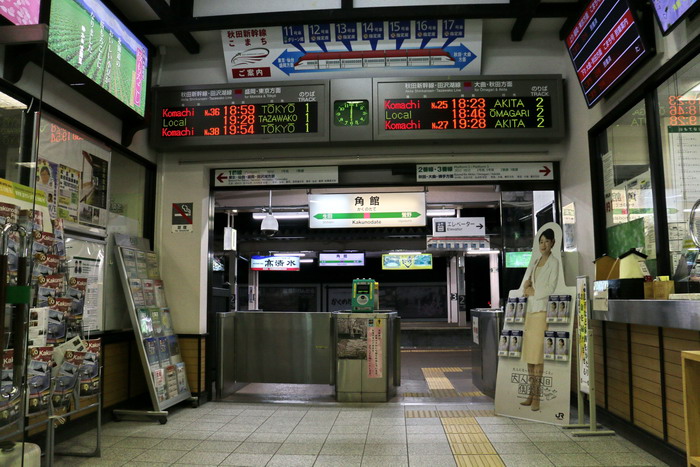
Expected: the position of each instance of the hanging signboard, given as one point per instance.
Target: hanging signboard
(458, 226)
(458, 243)
(276, 176)
(353, 49)
(367, 210)
(274, 263)
(407, 261)
(511, 171)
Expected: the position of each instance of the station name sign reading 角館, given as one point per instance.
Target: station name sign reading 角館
(362, 210)
(353, 49)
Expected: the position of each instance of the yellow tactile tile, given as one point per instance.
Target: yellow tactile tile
(443, 393)
(471, 449)
(454, 413)
(421, 414)
(454, 429)
(483, 413)
(468, 438)
(471, 394)
(479, 461)
(466, 429)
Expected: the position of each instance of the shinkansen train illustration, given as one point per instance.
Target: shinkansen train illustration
(374, 59)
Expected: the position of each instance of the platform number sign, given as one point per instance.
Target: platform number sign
(182, 217)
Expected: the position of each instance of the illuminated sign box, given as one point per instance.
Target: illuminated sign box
(407, 262)
(480, 107)
(274, 263)
(95, 42)
(518, 259)
(221, 115)
(362, 210)
(669, 13)
(605, 45)
(341, 259)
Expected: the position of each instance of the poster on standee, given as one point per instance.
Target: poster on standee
(532, 384)
(582, 349)
(375, 353)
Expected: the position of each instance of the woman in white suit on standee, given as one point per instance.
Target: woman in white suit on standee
(542, 277)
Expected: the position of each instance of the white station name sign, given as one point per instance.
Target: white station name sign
(274, 263)
(362, 210)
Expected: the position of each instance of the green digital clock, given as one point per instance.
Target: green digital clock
(351, 113)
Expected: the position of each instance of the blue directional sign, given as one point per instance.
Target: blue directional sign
(400, 31)
(346, 33)
(373, 32)
(320, 34)
(426, 29)
(452, 29)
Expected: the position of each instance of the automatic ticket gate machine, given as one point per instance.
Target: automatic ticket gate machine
(365, 295)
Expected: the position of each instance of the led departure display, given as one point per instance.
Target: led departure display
(473, 113)
(604, 45)
(226, 114)
(239, 120)
(480, 107)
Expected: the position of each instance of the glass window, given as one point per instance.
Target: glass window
(629, 202)
(679, 107)
(127, 190)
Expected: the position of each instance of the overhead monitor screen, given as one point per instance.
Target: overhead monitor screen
(21, 12)
(479, 107)
(518, 259)
(94, 41)
(341, 259)
(669, 13)
(605, 45)
(219, 115)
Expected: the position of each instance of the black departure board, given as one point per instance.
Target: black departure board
(605, 45)
(483, 107)
(229, 115)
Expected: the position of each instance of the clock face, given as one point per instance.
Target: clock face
(351, 113)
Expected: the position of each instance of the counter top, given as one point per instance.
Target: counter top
(679, 314)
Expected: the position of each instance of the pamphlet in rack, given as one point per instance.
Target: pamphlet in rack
(159, 348)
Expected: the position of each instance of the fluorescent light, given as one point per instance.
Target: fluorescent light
(441, 212)
(306, 260)
(406, 253)
(483, 252)
(8, 103)
(282, 215)
(291, 253)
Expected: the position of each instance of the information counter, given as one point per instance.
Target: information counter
(638, 362)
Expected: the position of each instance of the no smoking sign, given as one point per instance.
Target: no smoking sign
(182, 217)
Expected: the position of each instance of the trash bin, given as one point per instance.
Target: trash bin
(368, 366)
(487, 324)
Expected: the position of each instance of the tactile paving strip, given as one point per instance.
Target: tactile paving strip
(479, 461)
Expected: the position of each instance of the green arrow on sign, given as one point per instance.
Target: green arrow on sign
(362, 215)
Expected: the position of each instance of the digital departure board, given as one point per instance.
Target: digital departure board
(230, 115)
(605, 45)
(484, 107)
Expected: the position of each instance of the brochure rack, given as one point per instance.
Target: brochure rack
(157, 343)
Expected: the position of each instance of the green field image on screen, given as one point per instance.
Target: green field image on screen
(518, 259)
(100, 63)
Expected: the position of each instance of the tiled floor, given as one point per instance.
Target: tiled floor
(393, 434)
(438, 419)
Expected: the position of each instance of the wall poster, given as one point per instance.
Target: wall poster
(534, 365)
(73, 171)
(86, 259)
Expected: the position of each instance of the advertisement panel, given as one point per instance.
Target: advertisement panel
(407, 261)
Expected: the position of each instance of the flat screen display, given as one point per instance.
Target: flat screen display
(518, 259)
(605, 45)
(21, 12)
(94, 41)
(341, 259)
(669, 13)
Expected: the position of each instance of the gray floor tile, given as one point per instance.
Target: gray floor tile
(258, 412)
(135, 463)
(431, 461)
(508, 437)
(607, 446)
(276, 428)
(426, 438)
(546, 436)
(306, 438)
(342, 449)
(203, 458)
(206, 426)
(525, 460)
(398, 429)
(98, 462)
(262, 437)
(178, 444)
(501, 428)
(390, 438)
(312, 429)
(622, 458)
(516, 448)
(573, 460)
(423, 421)
(291, 460)
(425, 449)
(136, 443)
(229, 436)
(387, 421)
(559, 447)
(384, 461)
(386, 450)
(123, 454)
(338, 461)
(189, 434)
(257, 448)
(217, 446)
(248, 460)
(160, 455)
(425, 429)
(494, 421)
(346, 438)
(338, 429)
(312, 448)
